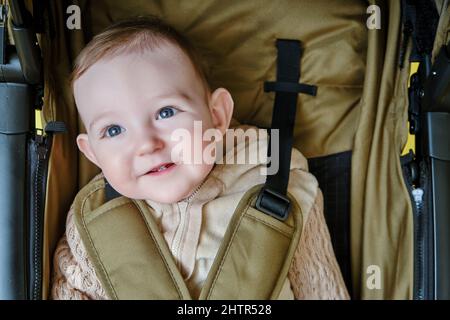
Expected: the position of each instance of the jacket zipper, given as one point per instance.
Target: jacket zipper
(183, 213)
(180, 232)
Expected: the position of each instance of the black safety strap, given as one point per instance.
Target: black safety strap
(272, 198)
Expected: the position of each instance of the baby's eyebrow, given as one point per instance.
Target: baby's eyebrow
(177, 94)
(98, 118)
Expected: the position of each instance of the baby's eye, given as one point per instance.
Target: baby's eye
(166, 112)
(113, 131)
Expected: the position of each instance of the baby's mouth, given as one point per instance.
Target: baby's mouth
(161, 168)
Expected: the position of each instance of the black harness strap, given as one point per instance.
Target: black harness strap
(272, 199)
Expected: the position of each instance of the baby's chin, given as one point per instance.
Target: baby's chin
(172, 196)
(167, 191)
(167, 199)
(162, 196)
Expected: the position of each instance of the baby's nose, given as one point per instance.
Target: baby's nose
(148, 144)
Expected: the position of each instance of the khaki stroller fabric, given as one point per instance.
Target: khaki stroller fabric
(381, 219)
(361, 104)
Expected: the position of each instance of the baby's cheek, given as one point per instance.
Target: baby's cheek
(117, 172)
(126, 187)
(116, 180)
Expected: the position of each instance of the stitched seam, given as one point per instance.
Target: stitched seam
(92, 244)
(180, 295)
(270, 225)
(227, 250)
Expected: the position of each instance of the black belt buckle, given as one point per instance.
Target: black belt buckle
(273, 203)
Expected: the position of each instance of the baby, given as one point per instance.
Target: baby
(134, 85)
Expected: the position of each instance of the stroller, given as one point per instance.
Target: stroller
(375, 133)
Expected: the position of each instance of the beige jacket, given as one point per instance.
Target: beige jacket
(193, 229)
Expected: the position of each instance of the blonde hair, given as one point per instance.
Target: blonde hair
(135, 35)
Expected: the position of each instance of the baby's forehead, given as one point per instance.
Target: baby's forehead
(163, 51)
(125, 77)
(166, 59)
(122, 91)
(166, 56)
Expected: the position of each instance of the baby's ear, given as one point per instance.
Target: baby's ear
(221, 107)
(85, 147)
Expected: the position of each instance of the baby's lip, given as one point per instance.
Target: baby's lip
(155, 168)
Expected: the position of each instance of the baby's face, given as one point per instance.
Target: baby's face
(130, 106)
